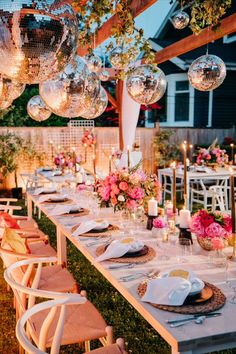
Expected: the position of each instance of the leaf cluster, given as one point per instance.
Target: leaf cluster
(164, 151)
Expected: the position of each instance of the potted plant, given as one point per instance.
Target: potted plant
(12, 148)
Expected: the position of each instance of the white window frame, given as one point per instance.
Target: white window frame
(171, 92)
(229, 39)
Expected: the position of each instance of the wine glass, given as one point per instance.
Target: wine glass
(184, 249)
(231, 282)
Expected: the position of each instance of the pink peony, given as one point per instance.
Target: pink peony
(215, 230)
(136, 193)
(115, 189)
(197, 227)
(159, 223)
(123, 186)
(131, 204)
(217, 243)
(227, 223)
(105, 192)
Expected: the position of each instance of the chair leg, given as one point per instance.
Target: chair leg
(87, 346)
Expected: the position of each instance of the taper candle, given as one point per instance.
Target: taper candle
(232, 153)
(191, 153)
(110, 158)
(185, 172)
(52, 150)
(232, 200)
(128, 156)
(74, 157)
(94, 165)
(173, 165)
(85, 152)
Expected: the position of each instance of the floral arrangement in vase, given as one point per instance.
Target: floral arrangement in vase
(88, 138)
(65, 159)
(212, 229)
(125, 189)
(212, 155)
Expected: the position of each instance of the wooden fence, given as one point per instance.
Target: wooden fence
(108, 138)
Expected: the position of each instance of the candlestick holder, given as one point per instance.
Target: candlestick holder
(150, 221)
(185, 233)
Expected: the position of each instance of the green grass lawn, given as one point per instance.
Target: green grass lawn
(140, 337)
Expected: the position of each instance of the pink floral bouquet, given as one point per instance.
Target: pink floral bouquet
(212, 225)
(88, 138)
(212, 155)
(159, 223)
(128, 190)
(64, 159)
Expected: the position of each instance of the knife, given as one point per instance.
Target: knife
(192, 317)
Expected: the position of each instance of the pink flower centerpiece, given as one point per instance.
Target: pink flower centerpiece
(88, 138)
(213, 154)
(211, 228)
(66, 159)
(125, 189)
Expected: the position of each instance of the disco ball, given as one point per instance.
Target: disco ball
(9, 91)
(98, 107)
(37, 39)
(93, 62)
(180, 20)
(37, 109)
(207, 72)
(121, 57)
(71, 93)
(104, 75)
(146, 84)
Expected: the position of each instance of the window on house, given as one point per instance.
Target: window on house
(181, 101)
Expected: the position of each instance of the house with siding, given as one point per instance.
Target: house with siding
(182, 105)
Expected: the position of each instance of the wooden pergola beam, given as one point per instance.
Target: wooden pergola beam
(112, 100)
(137, 7)
(228, 25)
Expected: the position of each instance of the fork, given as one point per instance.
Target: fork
(151, 274)
(93, 243)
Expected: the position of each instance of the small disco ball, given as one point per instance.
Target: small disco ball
(94, 63)
(104, 75)
(146, 84)
(207, 72)
(121, 57)
(180, 20)
(9, 91)
(71, 93)
(98, 106)
(37, 39)
(37, 110)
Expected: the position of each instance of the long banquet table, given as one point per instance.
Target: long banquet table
(214, 334)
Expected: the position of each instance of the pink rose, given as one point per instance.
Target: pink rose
(215, 230)
(131, 204)
(123, 186)
(136, 193)
(197, 228)
(227, 223)
(159, 223)
(115, 189)
(217, 243)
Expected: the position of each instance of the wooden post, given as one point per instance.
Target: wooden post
(119, 93)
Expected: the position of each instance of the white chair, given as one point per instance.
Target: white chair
(221, 197)
(204, 194)
(168, 186)
(70, 324)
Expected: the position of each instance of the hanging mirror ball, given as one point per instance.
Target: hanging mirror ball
(37, 39)
(94, 63)
(207, 72)
(104, 75)
(146, 84)
(71, 93)
(37, 109)
(10, 90)
(180, 20)
(121, 57)
(98, 106)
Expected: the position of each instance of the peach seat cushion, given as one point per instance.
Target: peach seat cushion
(42, 249)
(83, 322)
(110, 349)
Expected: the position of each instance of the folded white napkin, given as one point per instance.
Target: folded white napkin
(62, 209)
(117, 249)
(84, 227)
(38, 191)
(167, 291)
(45, 197)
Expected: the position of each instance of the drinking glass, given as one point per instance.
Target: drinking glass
(231, 282)
(184, 249)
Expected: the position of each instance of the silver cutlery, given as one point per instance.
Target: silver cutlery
(152, 274)
(93, 243)
(198, 320)
(128, 265)
(192, 317)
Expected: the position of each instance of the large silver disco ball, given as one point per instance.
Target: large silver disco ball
(98, 106)
(120, 57)
(146, 84)
(37, 39)
(180, 20)
(207, 72)
(37, 109)
(9, 91)
(94, 63)
(71, 93)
